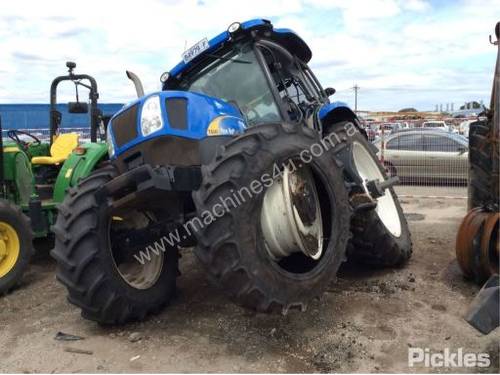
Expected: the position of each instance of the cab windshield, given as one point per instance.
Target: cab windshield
(237, 78)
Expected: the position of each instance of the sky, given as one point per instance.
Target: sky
(412, 53)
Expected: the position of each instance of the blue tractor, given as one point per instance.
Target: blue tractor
(243, 156)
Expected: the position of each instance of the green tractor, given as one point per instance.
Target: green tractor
(35, 175)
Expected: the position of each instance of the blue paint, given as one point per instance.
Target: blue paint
(201, 110)
(279, 34)
(329, 107)
(36, 116)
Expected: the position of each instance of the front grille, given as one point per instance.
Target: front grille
(125, 126)
(177, 112)
(161, 150)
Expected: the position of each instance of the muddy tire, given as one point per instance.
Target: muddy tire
(232, 248)
(373, 242)
(16, 245)
(87, 268)
(483, 179)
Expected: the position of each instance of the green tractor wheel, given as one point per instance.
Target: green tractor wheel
(15, 245)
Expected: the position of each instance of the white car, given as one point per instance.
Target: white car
(436, 125)
(464, 126)
(424, 155)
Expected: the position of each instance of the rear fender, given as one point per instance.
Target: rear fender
(336, 112)
(78, 166)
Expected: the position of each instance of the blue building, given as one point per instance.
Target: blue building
(36, 116)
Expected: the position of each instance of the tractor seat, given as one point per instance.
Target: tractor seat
(62, 146)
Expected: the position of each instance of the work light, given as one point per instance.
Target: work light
(164, 77)
(235, 26)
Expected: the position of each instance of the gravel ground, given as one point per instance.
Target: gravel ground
(364, 323)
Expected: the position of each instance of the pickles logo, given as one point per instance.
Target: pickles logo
(447, 358)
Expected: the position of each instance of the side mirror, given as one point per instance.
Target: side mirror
(329, 91)
(462, 150)
(78, 107)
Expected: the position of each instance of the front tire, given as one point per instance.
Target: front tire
(96, 270)
(235, 248)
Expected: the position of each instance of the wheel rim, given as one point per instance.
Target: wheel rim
(291, 217)
(10, 248)
(136, 274)
(368, 169)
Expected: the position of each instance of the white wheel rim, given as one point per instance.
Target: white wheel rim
(368, 170)
(138, 275)
(286, 225)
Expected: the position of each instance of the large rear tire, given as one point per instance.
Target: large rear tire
(483, 157)
(235, 247)
(103, 279)
(381, 236)
(16, 245)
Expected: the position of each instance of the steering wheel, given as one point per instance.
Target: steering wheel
(14, 135)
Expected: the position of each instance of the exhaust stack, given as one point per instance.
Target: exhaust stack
(137, 83)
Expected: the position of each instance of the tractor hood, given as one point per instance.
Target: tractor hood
(285, 37)
(171, 113)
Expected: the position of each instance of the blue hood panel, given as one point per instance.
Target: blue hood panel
(201, 110)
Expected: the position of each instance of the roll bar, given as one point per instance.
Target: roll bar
(55, 115)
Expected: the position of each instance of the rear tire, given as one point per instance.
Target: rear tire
(87, 267)
(372, 242)
(16, 245)
(483, 156)
(232, 248)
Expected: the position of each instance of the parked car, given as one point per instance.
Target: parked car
(423, 155)
(436, 125)
(371, 133)
(463, 128)
(389, 128)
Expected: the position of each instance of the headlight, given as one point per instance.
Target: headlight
(109, 141)
(151, 119)
(226, 125)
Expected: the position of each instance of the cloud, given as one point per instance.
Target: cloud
(70, 33)
(401, 53)
(416, 5)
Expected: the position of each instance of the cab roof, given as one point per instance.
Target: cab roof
(285, 37)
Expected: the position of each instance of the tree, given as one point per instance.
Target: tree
(471, 105)
(408, 110)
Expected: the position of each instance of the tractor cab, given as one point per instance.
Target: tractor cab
(259, 69)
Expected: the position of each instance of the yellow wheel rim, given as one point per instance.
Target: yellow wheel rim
(10, 248)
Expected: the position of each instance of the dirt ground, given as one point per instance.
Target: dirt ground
(364, 323)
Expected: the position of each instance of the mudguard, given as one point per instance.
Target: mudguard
(77, 166)
(335, 112)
